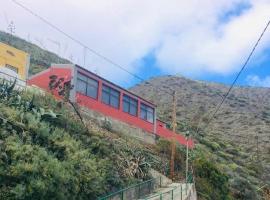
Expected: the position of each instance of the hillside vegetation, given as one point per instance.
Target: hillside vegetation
(237, 140)
(47, 152)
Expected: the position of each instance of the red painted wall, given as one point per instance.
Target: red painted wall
(113, 112)
(162, 131)
(42, 80)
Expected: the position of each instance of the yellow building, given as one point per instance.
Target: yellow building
(15, 60)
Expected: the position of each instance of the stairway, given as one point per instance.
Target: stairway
(157, 188)
(177, 191)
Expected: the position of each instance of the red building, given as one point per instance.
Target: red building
(98, 94)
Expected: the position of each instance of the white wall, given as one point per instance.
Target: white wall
(10, 75)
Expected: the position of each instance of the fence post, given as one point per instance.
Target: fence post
(181, 192)
(172, 194)
(122, 195)
(149, 186)
(160, 181)
(139, 191)
(160, 197)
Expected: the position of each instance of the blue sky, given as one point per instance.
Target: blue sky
(257, 68)
(203, 40)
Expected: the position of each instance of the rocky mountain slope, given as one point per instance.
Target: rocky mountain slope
(238, 137)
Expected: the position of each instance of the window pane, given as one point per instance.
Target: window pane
(150, 117)
(82, 77)
(143, 114)
(133, 102)
(114, 102)
(81, 86)
(150, 110)
(15, 69)
(125, 106)
(114, 93)
(105, 97)
(92, 82)
(143, 107)
(133, 110)
(126, 98)
(105, 88)
(92, 91)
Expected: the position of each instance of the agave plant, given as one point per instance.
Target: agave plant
(6, 89)
(11, 97)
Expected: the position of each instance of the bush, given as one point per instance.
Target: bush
(243, 189)
(210, 180)
(47, 153)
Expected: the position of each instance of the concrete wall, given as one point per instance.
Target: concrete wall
(118, 126)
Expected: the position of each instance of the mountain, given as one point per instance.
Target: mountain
(238, 137)
(40, 59)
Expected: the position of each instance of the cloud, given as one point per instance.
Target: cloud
(254, 80)
(190, 37)
(215, 47)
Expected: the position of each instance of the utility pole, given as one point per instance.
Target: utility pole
(11, 30)
(173, 144)
(187, 137)
(257, 146)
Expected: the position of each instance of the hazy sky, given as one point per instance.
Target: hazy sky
(201, 39)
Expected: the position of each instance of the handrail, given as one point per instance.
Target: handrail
(121, 192)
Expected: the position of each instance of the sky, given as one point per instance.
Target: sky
(199, 39)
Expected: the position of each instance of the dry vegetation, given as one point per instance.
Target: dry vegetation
(239, 136)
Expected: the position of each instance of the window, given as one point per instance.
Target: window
(15, 69)
(87, 86)
(130, 105)
(110, 96)
(147, 113)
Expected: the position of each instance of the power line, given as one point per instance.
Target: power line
(238, 75)
(82, 44)
(132, 74)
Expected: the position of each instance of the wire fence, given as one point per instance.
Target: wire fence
(137, 191)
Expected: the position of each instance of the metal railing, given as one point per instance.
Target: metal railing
(137, 191)
(181, 192)
(19, 82)
(190, 178)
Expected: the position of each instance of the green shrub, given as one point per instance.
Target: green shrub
(210, 180)
(47, 153)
